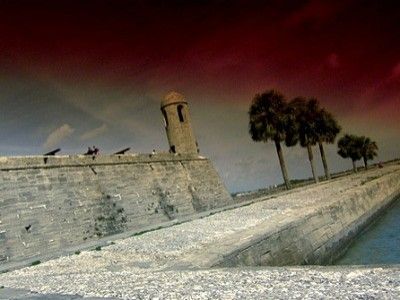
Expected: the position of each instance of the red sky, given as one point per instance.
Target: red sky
(336, 48)
(219, 53)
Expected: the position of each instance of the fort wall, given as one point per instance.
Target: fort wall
(55, 202)
(317, 234)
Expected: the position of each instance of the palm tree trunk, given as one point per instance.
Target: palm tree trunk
(282, 163)
(354, 166)
(311, 159)
(324, 162)
(365, 163)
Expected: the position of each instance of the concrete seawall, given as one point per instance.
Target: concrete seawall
(48, 204)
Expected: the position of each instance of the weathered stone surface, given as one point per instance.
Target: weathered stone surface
(51, 203)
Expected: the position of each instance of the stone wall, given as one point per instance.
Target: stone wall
(52, 203)
(315, 235)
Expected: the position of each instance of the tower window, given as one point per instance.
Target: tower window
(165, 117)
(180, 113)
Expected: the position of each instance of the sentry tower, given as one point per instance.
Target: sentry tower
(178, 124)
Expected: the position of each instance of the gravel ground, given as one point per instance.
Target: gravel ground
(277, 283)
(145, 266)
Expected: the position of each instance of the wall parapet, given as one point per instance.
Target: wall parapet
(41, 161)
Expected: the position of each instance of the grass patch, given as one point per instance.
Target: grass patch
(98, 248)
(1, 287)
(77, 252)
(35, 263)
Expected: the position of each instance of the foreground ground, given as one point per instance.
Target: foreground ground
(174, 262)
(248, 283)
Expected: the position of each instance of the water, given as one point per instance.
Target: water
(380, 244)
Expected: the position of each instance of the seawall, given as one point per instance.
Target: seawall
(316, 234)
(51, 203)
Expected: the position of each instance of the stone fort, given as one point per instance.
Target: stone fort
(162, 221)
(51, 203)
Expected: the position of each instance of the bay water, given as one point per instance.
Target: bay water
(379, 244)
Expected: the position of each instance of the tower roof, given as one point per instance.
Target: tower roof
(173, 97)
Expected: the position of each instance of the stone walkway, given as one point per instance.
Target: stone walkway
(172, 263)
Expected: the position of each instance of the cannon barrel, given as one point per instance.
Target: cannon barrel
(53, 152)
(122, 151)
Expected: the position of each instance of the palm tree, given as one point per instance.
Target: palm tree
(306, 112)
(269, 120)
(350, 147)
(327, 129)
(369, 150)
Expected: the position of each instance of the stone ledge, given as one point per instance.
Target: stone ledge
(36, 162)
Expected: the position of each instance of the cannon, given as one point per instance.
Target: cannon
(122, 151)
(53, 152)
